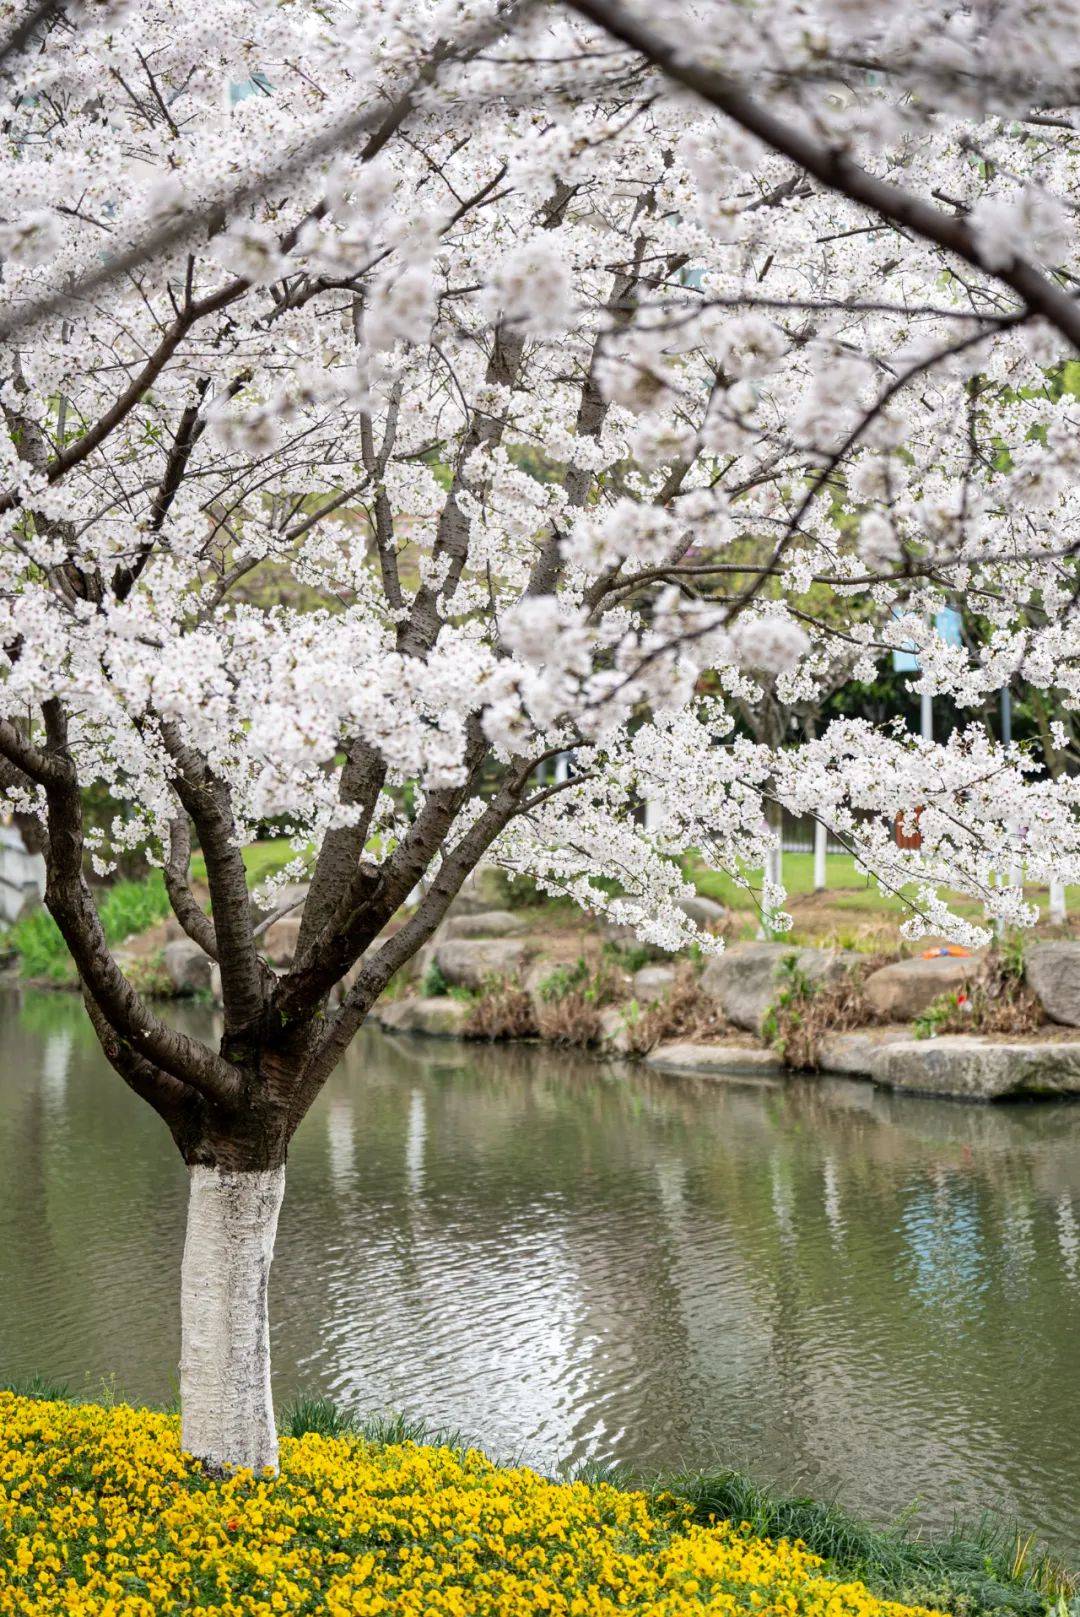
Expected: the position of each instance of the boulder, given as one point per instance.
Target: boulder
(469, 962)
(624, 937)
(965, 1067)
(187, 966)
(441, 1018)
(1053, 972)
(485, 890)
(652, 983)
(716, 1061)
(278, 942)
(747, 978)
(614, 1031)
(905, 989)
(484, 924)
(853, 1052)
(702, 911)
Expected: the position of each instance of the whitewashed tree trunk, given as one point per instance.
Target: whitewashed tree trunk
(227, 1416)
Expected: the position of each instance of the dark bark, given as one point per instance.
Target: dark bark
(194, 920)
(70, 903)
(243, 978)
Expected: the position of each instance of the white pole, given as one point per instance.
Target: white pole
(821, 839)
(1057, 902)
(774, 871)
(926, 716)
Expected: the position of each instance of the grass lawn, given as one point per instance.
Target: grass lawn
(261, 860)
(851, 899)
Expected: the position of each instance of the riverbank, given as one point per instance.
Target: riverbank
(100, 1512)
(506, 965)
(987, 1025)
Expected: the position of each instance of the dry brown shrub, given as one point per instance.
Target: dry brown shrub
(999, 1002)
(503, 1011)
(685, 1012)
(805, 1012)
(573, 1018)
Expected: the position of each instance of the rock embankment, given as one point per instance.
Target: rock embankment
(483, 944)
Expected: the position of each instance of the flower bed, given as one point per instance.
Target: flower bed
(101, 1513)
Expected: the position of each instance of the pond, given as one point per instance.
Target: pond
(845, 1292)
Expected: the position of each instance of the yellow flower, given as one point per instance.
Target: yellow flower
(101, 1515)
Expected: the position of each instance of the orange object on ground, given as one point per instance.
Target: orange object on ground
(952, 949)
(907, 839)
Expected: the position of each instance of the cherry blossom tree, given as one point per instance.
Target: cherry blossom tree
(397, 397)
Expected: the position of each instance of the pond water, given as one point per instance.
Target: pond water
(840, 1290)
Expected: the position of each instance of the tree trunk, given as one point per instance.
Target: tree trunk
(227, 1413)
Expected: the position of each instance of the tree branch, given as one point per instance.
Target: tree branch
(194, 920)
(830, 166)
(206, 800)
(71, 906)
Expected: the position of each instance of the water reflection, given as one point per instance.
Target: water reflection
(849, 1291)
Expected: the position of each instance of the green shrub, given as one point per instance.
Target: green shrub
(563, 980)
(127, 908)
(632, 956)
(434, 985)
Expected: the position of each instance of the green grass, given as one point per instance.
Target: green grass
(988, 1565)
(848, 888)
(126, 908)
(978, 1569)
(261, 860)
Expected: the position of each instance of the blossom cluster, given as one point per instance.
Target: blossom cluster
(102, 1515)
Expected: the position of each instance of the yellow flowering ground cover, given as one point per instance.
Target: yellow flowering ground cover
(101, 1513)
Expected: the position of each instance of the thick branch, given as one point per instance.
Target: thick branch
(339, 857)
(829, 166)
(72, 907)
(192, 917)
(377, 972)
(374, 894)
(206, 800)
(172, 1100)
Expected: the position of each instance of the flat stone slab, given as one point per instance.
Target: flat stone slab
(965, 1067)
(278, 942)
(905, 989)
(188, 967)
(1053, 972)
(484, 890)
(439, 1018)
(702, 911)
(716, 1061)
(615, 1031)
(853, 1052)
